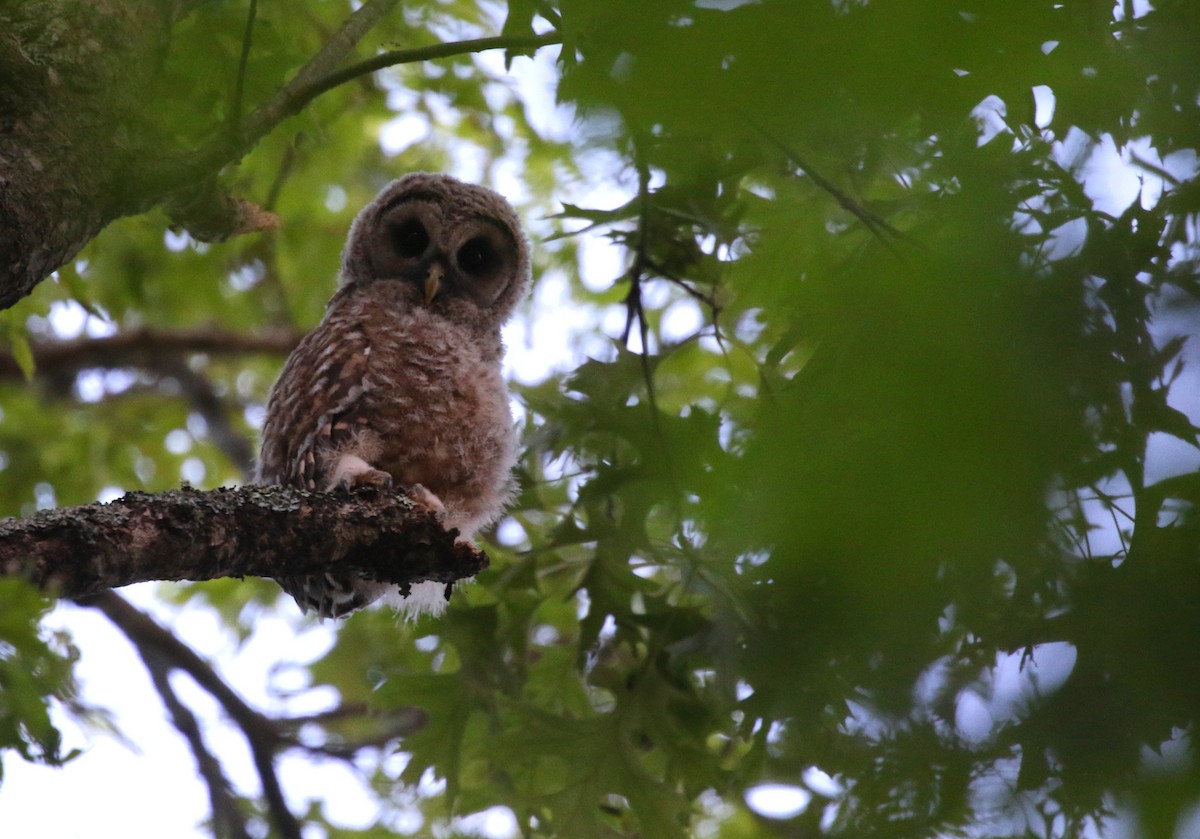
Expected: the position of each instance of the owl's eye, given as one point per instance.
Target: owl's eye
(410, 239)
(477, 257)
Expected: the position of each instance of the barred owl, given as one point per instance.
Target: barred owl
(401, 384)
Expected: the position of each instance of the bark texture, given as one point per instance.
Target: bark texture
(189, 534)
(74, 78)
(81, 142)
(79, 147)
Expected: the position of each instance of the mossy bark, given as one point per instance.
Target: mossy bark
(74, 79)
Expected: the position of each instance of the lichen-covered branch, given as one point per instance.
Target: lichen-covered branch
(190, 534)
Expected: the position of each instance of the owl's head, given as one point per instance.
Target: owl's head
(454, 247)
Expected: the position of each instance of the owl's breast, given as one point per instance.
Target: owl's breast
(438, 406)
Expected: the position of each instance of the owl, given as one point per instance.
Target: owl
(400, 384)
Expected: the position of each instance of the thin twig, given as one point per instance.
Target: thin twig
(151, 639)
(636, 309)
(709, 300)
(871, 221)
(429, 53)
(235, 115)
(145, 347)
(226, 816)
(281, 175)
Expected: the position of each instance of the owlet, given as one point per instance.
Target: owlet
(400, 384)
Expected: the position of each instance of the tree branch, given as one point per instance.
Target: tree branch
(162, 353)
(227, 819)
(318, 76)
(412, 56)
(320, 65)
(161, 651)
(152, 639)
(228, 147)
(206, 210)
(62, 188)
(146, 347)
(188, 534)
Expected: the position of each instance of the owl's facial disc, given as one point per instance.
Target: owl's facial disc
(410, 239)
(402, 244)
(473, 259)
(483, 260)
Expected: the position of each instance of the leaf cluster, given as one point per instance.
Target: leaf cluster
(881, 411)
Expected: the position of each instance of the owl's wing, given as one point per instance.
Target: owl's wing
(310, 412)
(320, 387)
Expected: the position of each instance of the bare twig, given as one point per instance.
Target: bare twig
(145, 348)
(870, 220)
(636, 312)
(282, 174)
(152, 639)
(429, 53)
(154, 643)
(227, 818)
(235, 111)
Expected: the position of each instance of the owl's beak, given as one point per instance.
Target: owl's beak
(433, 282)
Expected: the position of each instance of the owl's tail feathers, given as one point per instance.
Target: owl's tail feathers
(331, 596)
(427, 598)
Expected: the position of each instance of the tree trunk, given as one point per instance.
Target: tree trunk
(74, 79)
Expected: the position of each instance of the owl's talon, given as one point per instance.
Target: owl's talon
(422, 497)
(373, 477)
(351, 471)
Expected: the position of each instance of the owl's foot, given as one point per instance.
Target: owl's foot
(351, 471)
(373, 477)
(424, 498)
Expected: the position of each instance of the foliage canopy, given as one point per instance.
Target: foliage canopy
(873, 455)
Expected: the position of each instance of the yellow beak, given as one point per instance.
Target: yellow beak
(433, 283)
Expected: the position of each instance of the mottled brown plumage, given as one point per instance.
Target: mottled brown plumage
(401, 381)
